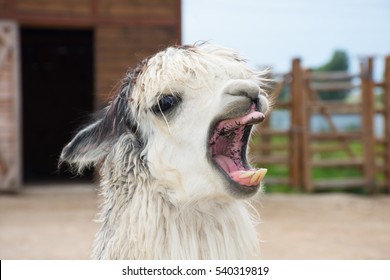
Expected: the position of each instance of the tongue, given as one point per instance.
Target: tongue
(226, 163)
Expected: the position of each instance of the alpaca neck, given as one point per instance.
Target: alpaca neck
(146, 224)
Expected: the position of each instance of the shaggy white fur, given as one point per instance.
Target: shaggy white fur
(171, 147)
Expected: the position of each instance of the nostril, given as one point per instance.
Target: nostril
(252, 94)
(242, 88)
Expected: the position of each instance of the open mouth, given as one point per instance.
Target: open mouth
(227, 146)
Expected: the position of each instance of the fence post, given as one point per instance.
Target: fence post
(386, 101)
(305, 114)
(296, 95)
(368, 115)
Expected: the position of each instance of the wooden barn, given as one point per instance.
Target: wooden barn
(59, 61)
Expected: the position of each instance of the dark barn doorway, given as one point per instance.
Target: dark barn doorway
(58, 88)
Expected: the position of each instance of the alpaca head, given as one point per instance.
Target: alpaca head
(185, 116)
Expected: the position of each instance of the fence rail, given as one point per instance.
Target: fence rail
(305, 150)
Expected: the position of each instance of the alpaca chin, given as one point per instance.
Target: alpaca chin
(153, 227)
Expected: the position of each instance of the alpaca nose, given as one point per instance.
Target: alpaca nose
(243, 88)
(249, 89)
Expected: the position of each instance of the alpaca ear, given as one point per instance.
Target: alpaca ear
(86, 148)
(92, 143)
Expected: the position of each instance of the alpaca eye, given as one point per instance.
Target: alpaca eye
(166, 103)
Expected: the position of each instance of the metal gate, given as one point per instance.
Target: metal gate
(10, 135)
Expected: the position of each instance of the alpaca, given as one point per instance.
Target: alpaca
(171, 149)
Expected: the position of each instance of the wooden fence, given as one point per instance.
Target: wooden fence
(303, 150)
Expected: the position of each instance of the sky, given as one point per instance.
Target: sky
(272, 32)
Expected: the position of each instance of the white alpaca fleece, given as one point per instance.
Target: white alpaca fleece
(171, 148)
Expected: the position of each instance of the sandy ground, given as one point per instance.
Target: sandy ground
(56, 222)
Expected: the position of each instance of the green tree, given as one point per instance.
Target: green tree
(338, 62)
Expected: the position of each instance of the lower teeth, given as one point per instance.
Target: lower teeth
(249, 177)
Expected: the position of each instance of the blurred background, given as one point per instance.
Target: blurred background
(271, 33)
(326, 144)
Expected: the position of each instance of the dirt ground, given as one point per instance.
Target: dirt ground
(57, 222)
